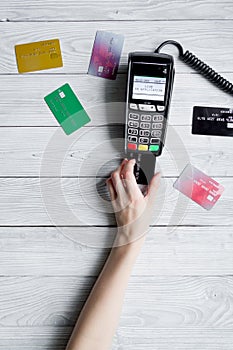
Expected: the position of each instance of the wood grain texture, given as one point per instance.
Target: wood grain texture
(209, 40)
(115, 10)
(23, 151)
(81, 201)
(81, 251)
(22, 98)
(129, 338)
(150, 302)
(181, 289)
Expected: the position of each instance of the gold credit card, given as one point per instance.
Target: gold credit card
(38, 56)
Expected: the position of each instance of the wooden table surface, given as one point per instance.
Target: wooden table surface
(56, 223)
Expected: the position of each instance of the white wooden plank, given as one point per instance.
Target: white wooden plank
(170, 338)
(210, 40)
(129, 338)
(150, 302)
(24, 150)
(116, 10)
(103, 99)
(81, 251)
(75, 201)
(36, 338)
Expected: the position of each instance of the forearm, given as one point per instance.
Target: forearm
(99, 318)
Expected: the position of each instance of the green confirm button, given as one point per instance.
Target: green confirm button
(154, 148)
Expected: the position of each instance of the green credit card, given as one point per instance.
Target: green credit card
(67, 109)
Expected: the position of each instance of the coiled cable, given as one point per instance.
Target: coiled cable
(200, 66)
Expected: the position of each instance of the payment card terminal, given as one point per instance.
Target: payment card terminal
(149, 89)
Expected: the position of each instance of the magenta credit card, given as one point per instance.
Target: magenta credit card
(106, 55)
(199, 187)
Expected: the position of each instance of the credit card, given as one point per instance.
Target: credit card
(67, 109)
(106, 53)
(212, 121)
(38, 56)
(199, 187)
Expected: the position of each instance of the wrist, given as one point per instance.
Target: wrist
(130, 236)
(124, 247)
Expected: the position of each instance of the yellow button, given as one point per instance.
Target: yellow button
(143, 148)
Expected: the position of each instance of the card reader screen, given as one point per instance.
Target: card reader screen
(148, 88)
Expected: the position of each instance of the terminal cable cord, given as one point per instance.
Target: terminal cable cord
(201, 67)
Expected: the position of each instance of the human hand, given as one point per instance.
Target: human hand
(132, 209)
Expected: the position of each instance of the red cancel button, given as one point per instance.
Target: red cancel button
(132, 146)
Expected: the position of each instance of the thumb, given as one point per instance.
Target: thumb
(153, 187)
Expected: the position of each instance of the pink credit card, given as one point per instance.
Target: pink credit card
(199, 187)
(106, 55)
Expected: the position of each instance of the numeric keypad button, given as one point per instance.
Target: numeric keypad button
(158, 118)
(133, 116)
(144, 133)
(133, 124)
(145, 125)
(156, 133)
(132, 139)
(143, 140)
(132, 131)
(145, 118)
(154, 141)
(157, 126)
